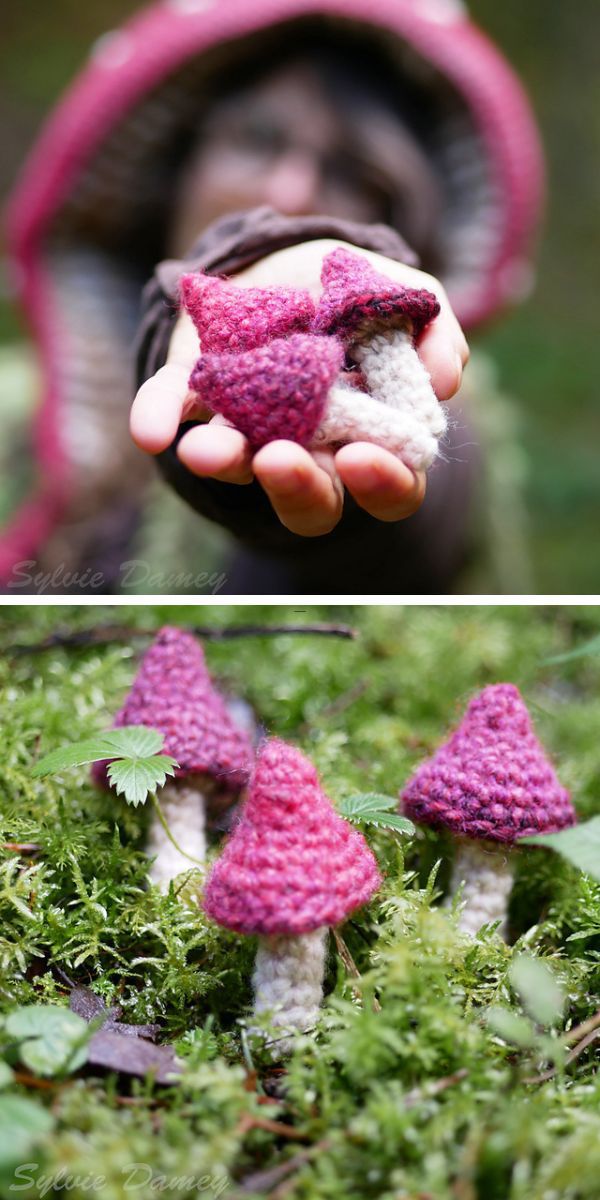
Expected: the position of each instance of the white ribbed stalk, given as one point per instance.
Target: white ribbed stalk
(354, 416)
(184, 810)
(288, 984)
(487, 877)
(396, 376)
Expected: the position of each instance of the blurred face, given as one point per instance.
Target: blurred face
(282, 143)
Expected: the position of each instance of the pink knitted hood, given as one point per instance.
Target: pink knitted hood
(73, 215)
(292, 864)
(492, 778)
(173, 692)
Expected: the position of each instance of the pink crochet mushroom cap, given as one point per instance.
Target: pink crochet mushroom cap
(292, 864)
(229, 318)
(173, 693)
(275, 391)
(492, 778)
(359, 301)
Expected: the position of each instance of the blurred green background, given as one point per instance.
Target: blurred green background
(545, 351)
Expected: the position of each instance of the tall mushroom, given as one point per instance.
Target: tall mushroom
(173, 692)
(229, 318)
(291, 868)
(489, 784)
(378, 321)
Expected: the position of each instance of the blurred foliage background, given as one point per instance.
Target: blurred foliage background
(545, 351)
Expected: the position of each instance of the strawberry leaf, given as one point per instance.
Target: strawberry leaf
(134, 778)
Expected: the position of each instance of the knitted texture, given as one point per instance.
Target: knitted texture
(396, 376)
(492, 779)
(358, 301)
(173, 693)
(274, 391)
(486, 876)
(184, 809)
(292, 864)
(229, 318)
(354, 416)
(288, 983)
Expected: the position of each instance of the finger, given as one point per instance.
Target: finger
(380, 483)
(157, 409)
(444, 352)
(304, 490)
(215, 450)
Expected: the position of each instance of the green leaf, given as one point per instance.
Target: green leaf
(537, 988)
(590, 647)
(385, 820)
(6, 1075)
(511, 1027)
(580, 845)
(51, 1038)
(136, 777)
(132, 741)
(366, 802)
(22, 1123)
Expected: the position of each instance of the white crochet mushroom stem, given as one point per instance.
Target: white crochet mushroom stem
(354, 416)
(396, 376)
(184, 810)
(486, 874)
(288, 983)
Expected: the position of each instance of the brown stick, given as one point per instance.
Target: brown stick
(351, 966)
(574, 1053)
(434, 1088)
(105, 634)
(265, 1181)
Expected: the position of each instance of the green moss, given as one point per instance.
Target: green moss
(405, 1091)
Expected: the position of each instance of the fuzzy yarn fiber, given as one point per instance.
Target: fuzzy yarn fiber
(292, 864)
(173, 693)
(274, 391)
(492, 778)
(229, 318)
(358, 301)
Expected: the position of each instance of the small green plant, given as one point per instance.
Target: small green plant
(371, 808)
(542, 1002)
(579, 845)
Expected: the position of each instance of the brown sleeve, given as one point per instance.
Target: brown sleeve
(361, 555)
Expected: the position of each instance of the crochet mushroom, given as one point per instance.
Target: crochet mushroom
(379, 321)
(173, 692)
(271, 377)
(291, 868)
(489, 784)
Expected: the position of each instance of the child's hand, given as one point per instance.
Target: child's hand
(305, 488)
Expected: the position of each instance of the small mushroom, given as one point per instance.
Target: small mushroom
(173, 692)
(292, 868)
(379, 321)
(229, 318)
(489, 784)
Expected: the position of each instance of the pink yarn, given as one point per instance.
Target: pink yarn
(292, 864)
(230, 318)
(491, 779)
(274, 391)
(173, 693)
(358, 301)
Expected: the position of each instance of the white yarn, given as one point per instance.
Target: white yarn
(487, 876)
(183, 806)
(354, 416)
(288, 984)
(396, 376)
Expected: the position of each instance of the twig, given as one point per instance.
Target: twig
(351, 966)
(580, 1031)
(22, 847)
(434, 1088)
(105, 634)
(248, 1121)
(573, 1054)
(265, 1181)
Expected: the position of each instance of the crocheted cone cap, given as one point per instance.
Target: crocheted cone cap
(491, 779)
(274, 391)
(359, 301)
(173, 693)
(233, 318)
(292, 864)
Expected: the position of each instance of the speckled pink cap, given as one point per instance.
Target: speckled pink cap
(492, 779)
(173, 692)
(358, 301)
(229, 318)
(292, 863)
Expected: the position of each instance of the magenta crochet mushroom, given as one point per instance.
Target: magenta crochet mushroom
(230, 318)
(489, 784)
(379, 321)
(173, 692)
(291, 868)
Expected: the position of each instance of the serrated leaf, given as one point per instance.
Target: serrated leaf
(134, 741)
(511, 1027)
(537, 988)
(580, 845)
(22, 1123)
(134, 778)
(50, 1038)
(387, 820)
(366, 802)
(75, 755)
